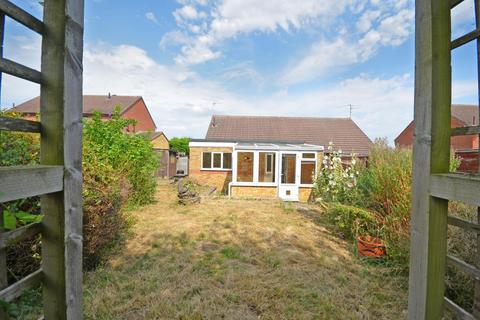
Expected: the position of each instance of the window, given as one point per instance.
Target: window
(269, 163)
(207, 160)
(307, 172)
(245, 167)
(266, 167)
(227, 161)
(217, 160)
(307, 168)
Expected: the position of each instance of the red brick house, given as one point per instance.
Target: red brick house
(466, 147)
(131, 107)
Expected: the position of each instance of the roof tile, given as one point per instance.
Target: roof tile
(343, 132)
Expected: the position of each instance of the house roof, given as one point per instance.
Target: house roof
(103, 104)
(154, 135)
(343, 132)
(466, 113)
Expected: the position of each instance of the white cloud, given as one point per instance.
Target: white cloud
(230, 18)
(325, 57)
(151, 16)
(463, 15)
(182, 102)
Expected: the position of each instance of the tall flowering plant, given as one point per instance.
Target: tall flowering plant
(336, 181)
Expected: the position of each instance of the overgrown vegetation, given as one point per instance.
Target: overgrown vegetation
(180, 144)
(118, 171)
(374, 199)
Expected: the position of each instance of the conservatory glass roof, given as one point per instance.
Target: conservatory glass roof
(278, 146)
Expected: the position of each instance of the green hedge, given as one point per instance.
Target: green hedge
(118, 170)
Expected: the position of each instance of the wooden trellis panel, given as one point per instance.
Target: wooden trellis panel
(433, 185)
(59, 177)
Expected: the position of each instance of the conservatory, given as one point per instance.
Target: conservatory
(257, 170)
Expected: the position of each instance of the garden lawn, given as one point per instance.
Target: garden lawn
(239, 259)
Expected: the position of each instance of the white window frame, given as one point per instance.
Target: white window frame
(256, 161)
(213, 160)
(271, 154)
(314, 160)
(212, 168)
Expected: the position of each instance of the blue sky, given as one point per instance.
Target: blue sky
(190, 59)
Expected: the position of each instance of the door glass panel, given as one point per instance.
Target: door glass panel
(308, 170)
(245, 167)
(266, 167)
(288, 168)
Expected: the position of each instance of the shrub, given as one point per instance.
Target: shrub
(117, 168)
(131, 155)
(352, 221)
(180, 144)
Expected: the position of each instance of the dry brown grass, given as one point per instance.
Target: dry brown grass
(238, 259)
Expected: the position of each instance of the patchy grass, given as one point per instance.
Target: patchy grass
(238, 259)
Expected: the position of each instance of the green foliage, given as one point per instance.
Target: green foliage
(180, 144)
(336, 181)
(131, 155)
(382, 186)
(18, 148)
(118, 169)
(352, 221)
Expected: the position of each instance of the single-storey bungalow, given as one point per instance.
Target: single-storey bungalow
(270, 157)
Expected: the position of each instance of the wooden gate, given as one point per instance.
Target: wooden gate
(58, 178)
(433, 184)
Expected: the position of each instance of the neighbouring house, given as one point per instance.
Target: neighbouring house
(131, 107)
(270, 157)
(465, 147)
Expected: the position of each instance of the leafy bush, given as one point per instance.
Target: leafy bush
(180, 144)
(118, 168)
(352, 221)
(130, 155)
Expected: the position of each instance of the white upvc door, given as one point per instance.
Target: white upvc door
(289, 177)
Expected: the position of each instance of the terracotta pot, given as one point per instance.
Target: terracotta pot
(371, 247)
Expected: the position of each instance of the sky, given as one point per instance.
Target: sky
(190, 59)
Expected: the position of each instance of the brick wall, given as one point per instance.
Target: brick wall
(405, 139)
(140, 113)
(255, 192)
(305, 194)
(469, 161)
(214, 178)
(161, 142)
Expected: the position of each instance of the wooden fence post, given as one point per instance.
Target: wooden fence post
(431, 154)
(61, 144)
(3, 252)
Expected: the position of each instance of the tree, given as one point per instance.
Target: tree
(180, 144)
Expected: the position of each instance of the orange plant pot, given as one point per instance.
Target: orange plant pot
(371, 247)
